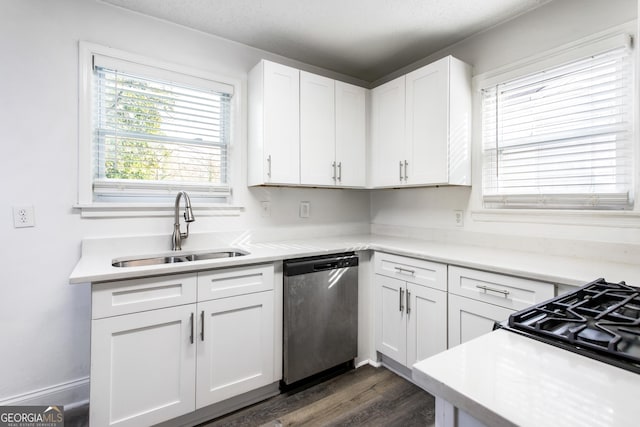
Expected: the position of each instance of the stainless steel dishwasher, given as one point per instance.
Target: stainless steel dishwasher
(320, 314)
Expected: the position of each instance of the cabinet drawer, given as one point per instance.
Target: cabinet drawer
(234, 281)
(506, 291)
(130, 296)
(421, 272)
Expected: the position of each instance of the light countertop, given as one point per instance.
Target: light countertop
(503, 378)
(97, 255)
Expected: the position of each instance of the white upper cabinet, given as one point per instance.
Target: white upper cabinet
(426, 124)
(274, 127)
(305, 129)
(422, 127)
(332, 132)
(351, 124)
(317, 130)
(387, 120)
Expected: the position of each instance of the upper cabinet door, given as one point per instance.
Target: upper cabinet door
(281, 110)
(427, 124)
(388, 140)
(351, 117)
(317, 130)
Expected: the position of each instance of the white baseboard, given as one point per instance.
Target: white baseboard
(370, 362)
(70, 394)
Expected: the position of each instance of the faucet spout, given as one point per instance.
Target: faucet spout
(176, 240)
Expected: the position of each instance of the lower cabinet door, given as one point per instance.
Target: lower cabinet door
(235, 346)
(142, 367)
(391, 323)
(426, 322)
(470, 318)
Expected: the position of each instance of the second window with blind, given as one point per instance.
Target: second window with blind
(155, 130)
(561, 138)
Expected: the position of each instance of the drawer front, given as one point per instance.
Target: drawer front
(130, 296)
(234, 281)
(499, 289)
(418, 271)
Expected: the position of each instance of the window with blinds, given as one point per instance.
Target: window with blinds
(561, 138)
(154, 136)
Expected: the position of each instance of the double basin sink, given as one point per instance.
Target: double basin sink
(178, 257)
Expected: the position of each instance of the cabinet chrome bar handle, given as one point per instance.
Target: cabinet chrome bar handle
(406, 170)
(191, 320)
(408, 303)
(333, 165)
(486, 288)
(401, 170)
(405, 270)
(202, 325)
(340, 171)
(269, 165)
(401, 299)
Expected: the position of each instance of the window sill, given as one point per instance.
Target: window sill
(146, 210)
(618, 219)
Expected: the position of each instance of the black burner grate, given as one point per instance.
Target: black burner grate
(599, 320)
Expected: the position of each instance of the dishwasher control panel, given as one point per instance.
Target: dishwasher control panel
(294, 267)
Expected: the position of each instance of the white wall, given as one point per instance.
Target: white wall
(548, 27)
(44, 321)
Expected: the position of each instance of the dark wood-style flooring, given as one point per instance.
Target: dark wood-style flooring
(366, 396)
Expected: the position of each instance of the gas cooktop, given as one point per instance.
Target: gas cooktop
(600, 320)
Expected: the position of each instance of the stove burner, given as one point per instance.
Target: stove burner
(595, 336)
(599, 320)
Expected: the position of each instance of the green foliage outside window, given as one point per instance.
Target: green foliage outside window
(136, 108)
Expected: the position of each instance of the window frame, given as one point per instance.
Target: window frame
(138, 206)
(567, 53)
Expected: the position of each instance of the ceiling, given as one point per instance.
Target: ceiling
(365, 39)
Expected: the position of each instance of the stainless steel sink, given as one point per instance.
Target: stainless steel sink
(178, 257)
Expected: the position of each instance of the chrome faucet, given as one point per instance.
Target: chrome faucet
(176, 243)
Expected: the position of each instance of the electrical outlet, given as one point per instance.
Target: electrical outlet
(305, 209)
(23, 216)
(459, 218)
(265, 209)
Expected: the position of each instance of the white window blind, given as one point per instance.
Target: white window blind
(154, 136)
(561, 138)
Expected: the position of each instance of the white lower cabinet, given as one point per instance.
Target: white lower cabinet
(426, 323)
(391, 327)
(468, 318)
(478, 299)
(142, 367)
(235, 349)
(411, 320)
(151, 366)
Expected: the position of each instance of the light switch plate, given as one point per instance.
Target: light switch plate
(265, 209)
(305, 209)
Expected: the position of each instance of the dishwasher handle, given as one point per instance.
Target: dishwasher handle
(298, 266)
(325, 266)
